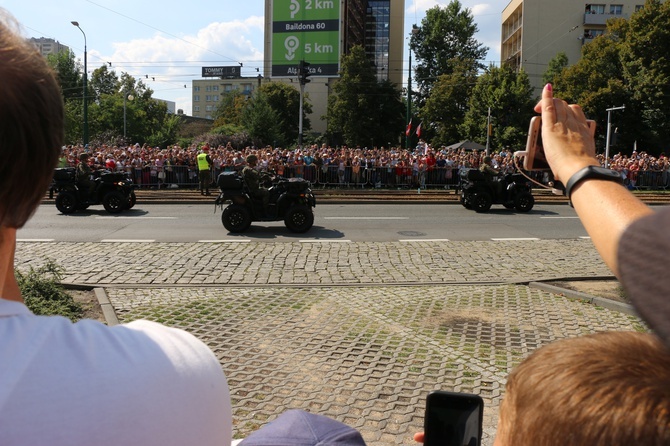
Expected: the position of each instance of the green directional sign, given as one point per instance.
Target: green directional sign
(306, 30)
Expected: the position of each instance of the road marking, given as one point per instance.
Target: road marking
(424, 240)
(225, 241)
(560, 217)
(110, 240)
(324, 241)
(366, 218)
(513, 239)
(34, 240)
(139, 217)
(585, 237)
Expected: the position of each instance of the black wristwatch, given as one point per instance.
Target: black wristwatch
(589, 172)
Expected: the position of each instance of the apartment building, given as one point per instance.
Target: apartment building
(206, 93)
(48, 46)
(535, 31)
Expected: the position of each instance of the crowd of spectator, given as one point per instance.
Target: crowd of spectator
(423, 166)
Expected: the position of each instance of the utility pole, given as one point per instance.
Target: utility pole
(488, 131)
(303, 74)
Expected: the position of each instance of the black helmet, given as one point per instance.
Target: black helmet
(252, 159)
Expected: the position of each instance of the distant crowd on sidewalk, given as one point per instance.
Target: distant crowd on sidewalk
(383, 167)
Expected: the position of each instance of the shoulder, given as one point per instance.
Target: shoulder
(92, 371)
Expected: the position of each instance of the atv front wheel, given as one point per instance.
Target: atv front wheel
(132, 199)
(114, 202)
(481, 201)
(66, 202)
(236, 218)
(299, 219)
(524, 202)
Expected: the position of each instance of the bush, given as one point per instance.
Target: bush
(43, 293)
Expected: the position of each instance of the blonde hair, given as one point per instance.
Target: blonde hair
(604, 389)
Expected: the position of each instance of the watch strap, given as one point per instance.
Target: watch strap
(591, 172)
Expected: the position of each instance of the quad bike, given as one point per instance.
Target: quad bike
(511, 190)
(291, 200)
(113, 190)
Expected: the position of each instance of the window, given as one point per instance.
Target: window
(215, 88)
(638, 7)
(595, 9)
(616, 9)
(208, 98)
(227, 87)
(215, 98)
(196, 108)
(208, 108)
(196, 88)
(196, 98)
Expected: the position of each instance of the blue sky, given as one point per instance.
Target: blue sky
(169, 42)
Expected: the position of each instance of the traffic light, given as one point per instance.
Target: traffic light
(303, 72)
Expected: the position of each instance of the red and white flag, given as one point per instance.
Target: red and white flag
(418, 130)
(409, 128)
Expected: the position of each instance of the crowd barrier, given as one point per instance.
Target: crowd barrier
(360, 177)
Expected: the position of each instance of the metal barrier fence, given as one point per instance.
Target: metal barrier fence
(361, 177)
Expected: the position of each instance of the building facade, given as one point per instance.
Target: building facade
(48, 46)
(535, 31)
(377, 25)
(207, 92)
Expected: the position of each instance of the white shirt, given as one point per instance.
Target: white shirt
(86, 383)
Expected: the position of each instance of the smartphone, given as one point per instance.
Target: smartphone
(534, 158)
(453, 419)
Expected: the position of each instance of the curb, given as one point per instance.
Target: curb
(578, 295)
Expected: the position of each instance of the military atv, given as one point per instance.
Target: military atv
(512, 190)
(291, 200)
(112, 189)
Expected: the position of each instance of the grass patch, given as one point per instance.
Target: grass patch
(44, 295)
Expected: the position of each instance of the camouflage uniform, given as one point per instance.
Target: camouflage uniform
(252, 178)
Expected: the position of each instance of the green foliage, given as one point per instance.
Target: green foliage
(43, 294)
(447, 104)
(360, 109)
(284, 99)
(444, 40)
(230, 108)
(556, 67)
(626, 66)
(509, 96)
(261, 121)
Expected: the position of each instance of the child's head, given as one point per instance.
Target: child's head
(604, 389)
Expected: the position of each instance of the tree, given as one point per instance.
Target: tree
(103, 82)
(509, 95)
(447, 104)
(261, 121)
(229, 110)
(555, 68)
(284, 99)
(626, 66)
(68, 74)
(444, 40)
(358, 102)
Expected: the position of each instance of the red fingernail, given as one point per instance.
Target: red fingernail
(548, 87)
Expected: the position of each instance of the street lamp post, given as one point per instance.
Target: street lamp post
(609, 128)
(408, 120)
(75, 23)
(129, 97)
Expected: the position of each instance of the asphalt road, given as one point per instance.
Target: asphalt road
(333, 222)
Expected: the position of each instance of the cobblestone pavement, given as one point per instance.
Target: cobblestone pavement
(359, 331)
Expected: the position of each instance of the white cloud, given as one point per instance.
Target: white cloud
(174, 61)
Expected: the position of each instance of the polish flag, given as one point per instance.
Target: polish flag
(409, 128)
(418, 130)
